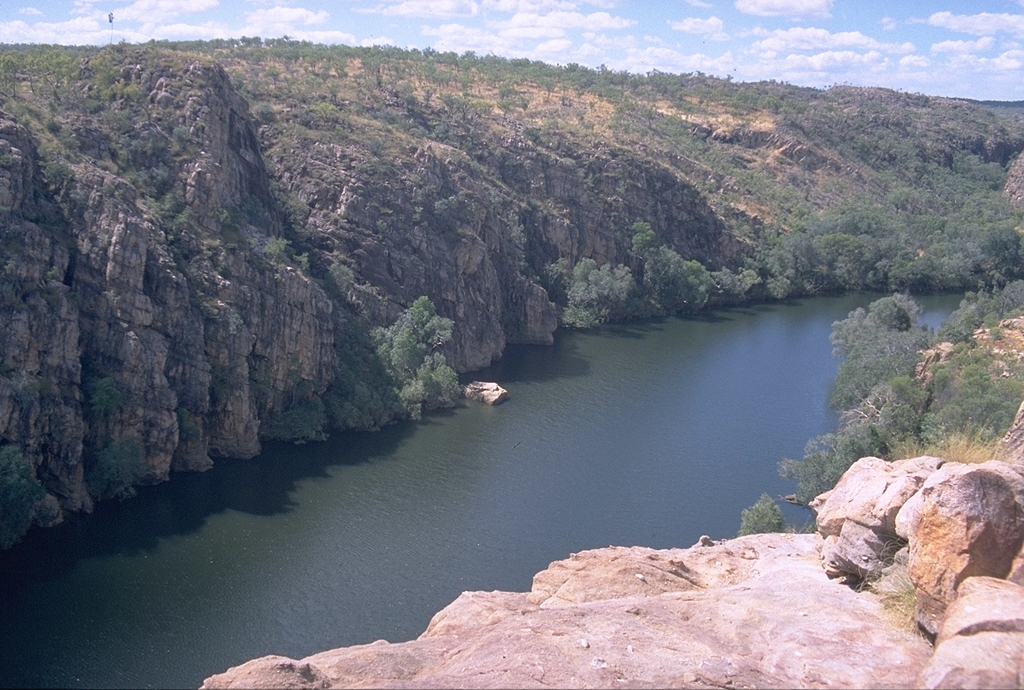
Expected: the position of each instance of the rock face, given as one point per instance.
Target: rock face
(194, 344)
(752, 612)
(981, 643)
(152, 301)
(485, 392)
(857, 519)
(967, 520)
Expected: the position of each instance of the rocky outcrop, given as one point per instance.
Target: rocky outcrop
(1014, 186)
(40, 383)
(857, 519)
(120, 328)
(485, 392)
(752, 612)
(967, 520)
(981, 643)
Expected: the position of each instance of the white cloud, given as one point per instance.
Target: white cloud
(549, 48)
(528, 5)
(662, 59)
(914, 62)
(432, 8)
(964, 46)
(78, 31)
(1011, 60)
(712, 27)
(532, 32)
(596, 21)
(699, 3)
(617, 43)
(184, 31)
(807, 38)
(888, 23)
(984, 24)
(459, 39)
(161, 10)
(30, 11)
(785, 8)
(286, 21)
(833, 61)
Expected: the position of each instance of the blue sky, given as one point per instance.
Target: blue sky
(967, 49)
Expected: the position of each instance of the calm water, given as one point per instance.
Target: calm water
(647, 434)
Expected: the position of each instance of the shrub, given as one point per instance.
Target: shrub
(20, 491)
(299, 423)
(763, 516)
(103, 396)
(116, 468)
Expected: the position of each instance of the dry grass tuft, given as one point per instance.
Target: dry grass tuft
(898, 596)
(969, 449)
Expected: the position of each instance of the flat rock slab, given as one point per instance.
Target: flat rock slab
(751, 612)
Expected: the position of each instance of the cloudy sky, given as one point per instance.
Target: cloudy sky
(962, 48)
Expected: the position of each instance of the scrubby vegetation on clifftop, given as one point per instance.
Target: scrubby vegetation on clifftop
(199, 240)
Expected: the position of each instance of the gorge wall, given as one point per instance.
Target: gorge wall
(150, 312)
(188, 270)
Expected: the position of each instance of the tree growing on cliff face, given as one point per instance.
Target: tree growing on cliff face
(411, 351)
(597, 295)
(19, 493)
(672, 283)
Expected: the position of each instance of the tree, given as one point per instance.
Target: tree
(116, 468)
(19, 493)
(764, 516)
(877, 344)
(411, 352)
(597, 295)
(674, 284)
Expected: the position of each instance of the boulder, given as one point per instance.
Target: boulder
(981, 642)
(967, 520)
(486, 392)
(1012, 446)
(750, 612)
(857, 519)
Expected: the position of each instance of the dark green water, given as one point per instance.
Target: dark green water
(648, 434)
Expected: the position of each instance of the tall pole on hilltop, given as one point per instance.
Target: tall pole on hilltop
(110, 18)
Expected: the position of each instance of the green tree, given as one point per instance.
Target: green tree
(764, 516)
(597, 295)
(20, 491)
(116, 468)
(877, 344)
(411, 352)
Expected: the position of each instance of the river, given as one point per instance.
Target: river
(651, 434)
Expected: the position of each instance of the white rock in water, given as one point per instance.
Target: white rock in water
(484, 391)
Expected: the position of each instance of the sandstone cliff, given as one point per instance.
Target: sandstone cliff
(118, 326)
(767, 610)
(198, 242)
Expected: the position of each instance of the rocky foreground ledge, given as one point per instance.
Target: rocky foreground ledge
(757, 611)
(769, 610)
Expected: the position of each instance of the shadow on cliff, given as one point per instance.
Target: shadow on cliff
(261, 486)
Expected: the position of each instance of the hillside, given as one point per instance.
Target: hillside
(200, 240)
